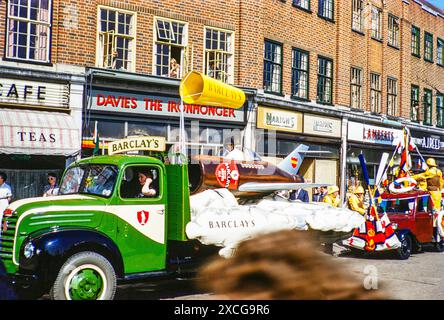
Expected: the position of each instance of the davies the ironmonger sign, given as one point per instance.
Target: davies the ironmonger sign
(33, 93)
(136, 103)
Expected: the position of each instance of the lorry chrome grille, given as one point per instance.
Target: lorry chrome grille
(7, 237)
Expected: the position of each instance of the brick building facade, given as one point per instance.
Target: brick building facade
(74, 40)
(367, 45)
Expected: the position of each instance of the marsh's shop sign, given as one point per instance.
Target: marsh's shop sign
(428, 142)
(159, 105)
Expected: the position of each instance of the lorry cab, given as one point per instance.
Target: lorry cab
(99, 229)
(411, 214)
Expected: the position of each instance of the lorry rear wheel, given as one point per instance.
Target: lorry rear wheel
(85, 276)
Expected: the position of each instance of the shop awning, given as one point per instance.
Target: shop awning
(38, 133)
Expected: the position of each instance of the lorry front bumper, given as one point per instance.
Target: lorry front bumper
(16, 278)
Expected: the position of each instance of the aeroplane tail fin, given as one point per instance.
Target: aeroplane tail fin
(293, 162)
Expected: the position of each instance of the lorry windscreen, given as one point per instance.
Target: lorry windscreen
(97, 179)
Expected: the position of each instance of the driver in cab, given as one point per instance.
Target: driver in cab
(146, 183)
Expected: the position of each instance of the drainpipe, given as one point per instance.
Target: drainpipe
(343, 160)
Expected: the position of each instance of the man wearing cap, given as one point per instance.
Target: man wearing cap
(435, 182)
(332, 197)
(356, 200)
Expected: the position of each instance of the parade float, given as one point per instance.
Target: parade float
(401, 217)
(99, 231)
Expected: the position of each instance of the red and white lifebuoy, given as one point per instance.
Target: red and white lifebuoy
(412, 184)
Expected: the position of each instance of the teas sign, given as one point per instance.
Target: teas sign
(23, 92)
(136, 144)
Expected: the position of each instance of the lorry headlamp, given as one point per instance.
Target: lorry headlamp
(29, 250)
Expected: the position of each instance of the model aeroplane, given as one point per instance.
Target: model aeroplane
(247, 178)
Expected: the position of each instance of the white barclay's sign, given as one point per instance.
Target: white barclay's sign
(32, 93)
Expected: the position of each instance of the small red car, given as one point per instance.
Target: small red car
(411, 215)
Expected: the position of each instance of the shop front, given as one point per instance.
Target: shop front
(147, 107)
(279, 132)
(40, 127)
(429, 145)
(371, 141)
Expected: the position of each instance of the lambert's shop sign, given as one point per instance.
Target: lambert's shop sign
(279, 120)
(372, 134)
(136, 104)
(32, 93)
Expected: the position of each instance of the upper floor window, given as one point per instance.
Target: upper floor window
(325, 80)
(376, 23)
(375, 92)
(117, 39)
(357, 16)
(440, 110)
(356, 88)
(28, 30)
(392, 96)
(304, 4)
(326, 9)
(416, 41)
(427, 107)
(428, 47)
(170, 43)
(414, 104)
(440, 52)
(299, 74)
(273, 67)
(219, 55)
(393, 31)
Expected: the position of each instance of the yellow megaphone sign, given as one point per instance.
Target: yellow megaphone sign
(197, 88)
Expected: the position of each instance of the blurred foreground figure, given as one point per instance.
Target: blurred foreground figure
(285, 265)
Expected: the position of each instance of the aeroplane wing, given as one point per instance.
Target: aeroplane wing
(275, 186)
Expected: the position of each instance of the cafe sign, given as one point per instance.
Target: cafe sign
(137, 144)
(279, 120)
(33, 93)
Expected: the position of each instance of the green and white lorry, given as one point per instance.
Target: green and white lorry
(99, 232)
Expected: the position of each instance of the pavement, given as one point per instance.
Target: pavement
(421, 277)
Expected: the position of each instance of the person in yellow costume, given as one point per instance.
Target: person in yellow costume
(356, 201)
(332, 197)
(433, 177)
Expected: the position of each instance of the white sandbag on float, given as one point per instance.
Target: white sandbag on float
(335, 219)
(217, 218)
(219, 198)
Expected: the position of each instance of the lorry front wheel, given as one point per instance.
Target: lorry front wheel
(85, 276)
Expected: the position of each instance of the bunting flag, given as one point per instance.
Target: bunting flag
(374, 234)
(405, 146)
